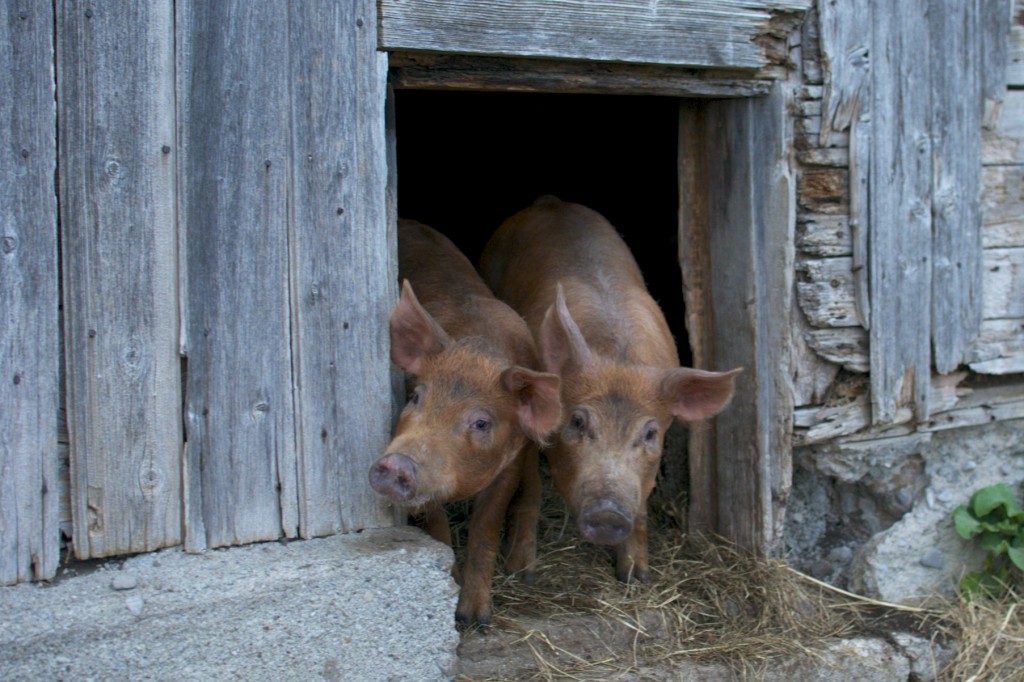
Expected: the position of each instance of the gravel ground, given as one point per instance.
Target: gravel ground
(376, 605)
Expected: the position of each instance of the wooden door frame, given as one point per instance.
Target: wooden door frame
(737, 207)
(736, 223)
(736, 237)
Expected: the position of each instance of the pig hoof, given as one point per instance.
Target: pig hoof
(466, 620)
(528, 577)
(633, 577)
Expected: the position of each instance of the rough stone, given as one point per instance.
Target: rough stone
(934, 559)
(889, 565)
(927, 658)
(124, 581)
(135, 604)
(891, 502)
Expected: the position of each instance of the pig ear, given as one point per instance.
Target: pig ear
(414, 333)
(540, 407)
(561, 341)
(696, 394)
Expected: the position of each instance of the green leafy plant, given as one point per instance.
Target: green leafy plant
(992, 515)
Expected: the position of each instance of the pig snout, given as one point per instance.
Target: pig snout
(605, 522)
(394, 475)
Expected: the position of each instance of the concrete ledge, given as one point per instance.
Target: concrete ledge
(378, 605)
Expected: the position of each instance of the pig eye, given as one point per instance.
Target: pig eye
(578, 421)
(480, 421)
(650, 434)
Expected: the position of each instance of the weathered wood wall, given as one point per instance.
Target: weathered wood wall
(999, 348)
(966, 287)
(736, 250)
(717, 34)
(225, 223)
(288, 268)
(29, 346)
(223, 210)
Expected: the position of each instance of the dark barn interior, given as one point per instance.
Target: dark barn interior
(468, 160)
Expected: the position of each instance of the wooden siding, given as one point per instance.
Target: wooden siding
(828, 268)
(958, 44)
(29, 350)
(288, 268)
(907, 185)
(240, 463)
(729, 34)
(899, 158)
(1015, 68)
(221, 213)
(345, 274)
(117, 182)
(999, 348)
(516, 74)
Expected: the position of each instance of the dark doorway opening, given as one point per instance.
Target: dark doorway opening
(468, 160)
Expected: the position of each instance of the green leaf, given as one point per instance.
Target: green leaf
(1016, 555)
(994, 543)
(987, 499)
(966, 525)
(996, 524)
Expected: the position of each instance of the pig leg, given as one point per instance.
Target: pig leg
(631, 555)
(489, 507)
(521, 542)
(435, 522)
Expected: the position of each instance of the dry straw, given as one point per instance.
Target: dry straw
(709, 604)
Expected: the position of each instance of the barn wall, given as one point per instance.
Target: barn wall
(227, 250)
(880, 464)
(287, 268)
(227, 246)
(846, 319)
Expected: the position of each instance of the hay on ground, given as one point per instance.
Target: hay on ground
(719, 606)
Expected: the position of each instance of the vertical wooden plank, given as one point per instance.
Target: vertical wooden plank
(775, 248)
(398, 394)
(240, 463)
(1015, 62)
(117, 181)
(957, 102)
(342, 251)
(695, 263)
(751, 245)
(29, 349)
(845, 29)
(900, 209)
(995, 19)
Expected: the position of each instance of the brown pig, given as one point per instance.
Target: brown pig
(568, 272)
(476, 414)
